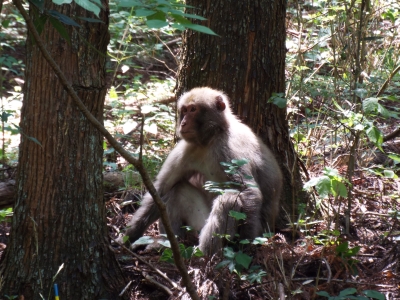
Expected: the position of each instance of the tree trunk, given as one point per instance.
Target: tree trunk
(247, 61)
(59, 213)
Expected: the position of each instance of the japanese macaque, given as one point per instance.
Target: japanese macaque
(211, 134)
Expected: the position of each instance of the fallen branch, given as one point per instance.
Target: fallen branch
(392, 135)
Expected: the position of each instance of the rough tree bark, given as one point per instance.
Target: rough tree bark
(59, 213)
(247, 61)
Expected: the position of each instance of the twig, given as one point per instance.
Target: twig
(395, 133)
(392, 135)
(125, 154)
(329, 270)
(385, 84)
(166, 100)
(159, 285)
(176, 286)
(125, 288)
(281, 291)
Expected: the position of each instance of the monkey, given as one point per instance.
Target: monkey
(210, 134)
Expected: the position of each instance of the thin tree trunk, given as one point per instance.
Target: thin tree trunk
(247, 61)
(59, 213)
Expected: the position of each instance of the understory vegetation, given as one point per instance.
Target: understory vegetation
(343, 108)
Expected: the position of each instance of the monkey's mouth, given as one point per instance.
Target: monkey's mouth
(186, 132)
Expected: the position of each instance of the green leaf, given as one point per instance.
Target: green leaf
(260, 241)
(144, 12)
(338, 188)
(60, 2)
(374, 294)
(186, 252)
(5, 23)
(243, 259)
(370, 104)
(237, 215)
(91, 20)
(200, 28)
(349, 291)
(361, 93)
(341, 248)
(229, 253)
(167, 256)
(222, 264)
(165, 243)
(278, 99)
(390, 174)
(240, 162)
(158, 15)
(323, 294)
(62, 18)
(331, 172)
(198, 252)
(144, 240)
(395, 157)
(60, 29)
(88, 5)
(156, 24)
(34, 140)
(194, 17)
(40, 22)
(180, 19)
(311, 183)
(353, 251)
(323, 186)
(38, 3)
(178, 26)
(375, 136)
(129, 3)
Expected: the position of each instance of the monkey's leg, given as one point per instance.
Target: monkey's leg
(220, 223)
(142, 218)
(186, 206)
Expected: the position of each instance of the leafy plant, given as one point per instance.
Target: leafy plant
(346, 254)
(234, 261)
(331, 183)
(5, 214)
(351, 293)
(186, 252)
(233, 169)
(162, 13)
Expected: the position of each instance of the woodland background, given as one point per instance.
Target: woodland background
(345, 132)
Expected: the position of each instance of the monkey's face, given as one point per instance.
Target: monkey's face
(191, 117)
(201, 121)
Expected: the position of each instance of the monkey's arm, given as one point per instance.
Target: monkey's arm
(170, 174)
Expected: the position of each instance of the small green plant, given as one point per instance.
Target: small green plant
(238, 262)
(233, 170)
(186, 253)
(330, 183)
(5, 214)
(235, 261)
(352, 293)
(346, 254)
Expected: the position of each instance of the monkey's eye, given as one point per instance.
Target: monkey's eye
(184, 110)
(193, 108)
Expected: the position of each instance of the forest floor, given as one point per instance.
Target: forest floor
(321, 257)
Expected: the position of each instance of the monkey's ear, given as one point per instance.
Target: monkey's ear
(220, 103)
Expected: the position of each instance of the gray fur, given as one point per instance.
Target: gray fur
(190, 164)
